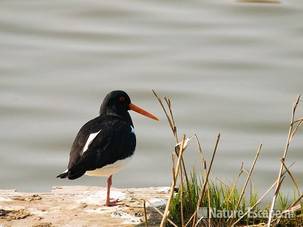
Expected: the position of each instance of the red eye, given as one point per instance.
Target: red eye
(121, 99)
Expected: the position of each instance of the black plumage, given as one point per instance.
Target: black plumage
(106, 139)
(116, 141)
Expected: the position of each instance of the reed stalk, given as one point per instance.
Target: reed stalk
(291, 132)
(182, 206)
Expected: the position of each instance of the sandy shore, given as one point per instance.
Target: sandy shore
(80, 206)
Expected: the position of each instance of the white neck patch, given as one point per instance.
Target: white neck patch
(132, 129)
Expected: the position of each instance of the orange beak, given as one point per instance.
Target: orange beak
(141, 111)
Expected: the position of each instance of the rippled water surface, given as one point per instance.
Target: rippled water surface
(230, 67)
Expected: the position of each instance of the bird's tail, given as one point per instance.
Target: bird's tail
(71, 175)
(79, 168)
(63, 175)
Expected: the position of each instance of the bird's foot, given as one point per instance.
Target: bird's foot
(111, 202)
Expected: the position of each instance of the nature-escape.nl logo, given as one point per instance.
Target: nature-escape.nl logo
(224, 213)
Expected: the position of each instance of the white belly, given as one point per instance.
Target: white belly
(110, 169)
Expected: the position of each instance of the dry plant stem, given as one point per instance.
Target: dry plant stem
(198, 222)
(297, 126)
(248, 178)
(209, 208)
(289, 209)
(289, 138)
(296, 202)
(240, 173)
(199, 146)
(194, 216)
(173, 167)
(237, 178)
(170, 118)
(234, 185)
(181, 191)
(249, 175)
(174, 129)
(164, 109)
(259, 200)
(203, 161)
(159, 212)
(205, 173)
(173, 184)
(175, 132)
(298, 120)
(185, 172)
(145, 213)
(292, 178)
(250, 181)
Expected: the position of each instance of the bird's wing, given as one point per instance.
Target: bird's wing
(111, 143)
(84, 138)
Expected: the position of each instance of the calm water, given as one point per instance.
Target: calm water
(229, 67)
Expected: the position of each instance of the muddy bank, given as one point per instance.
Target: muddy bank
(80, 206)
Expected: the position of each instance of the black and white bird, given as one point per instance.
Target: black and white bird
(104, 144)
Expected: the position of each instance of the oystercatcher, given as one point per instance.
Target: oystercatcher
(104, 144)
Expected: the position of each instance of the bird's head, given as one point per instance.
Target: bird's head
(119, 103)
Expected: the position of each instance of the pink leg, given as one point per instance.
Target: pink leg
(109, 184)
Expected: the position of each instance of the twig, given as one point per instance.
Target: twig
(234, 184)
(298, 120)
(175, 130)
(170, 118)
(166, 114)
(145, 214)
(259, 200)
(295, 202)
(292, 178)
(173, 184)
(296, 129)
(289, 138)
(194, 216)
(290, 208)
(181, 191)
(248, 178)
(199, 146)
(209, 208)
(159, 212)
(173, 167)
